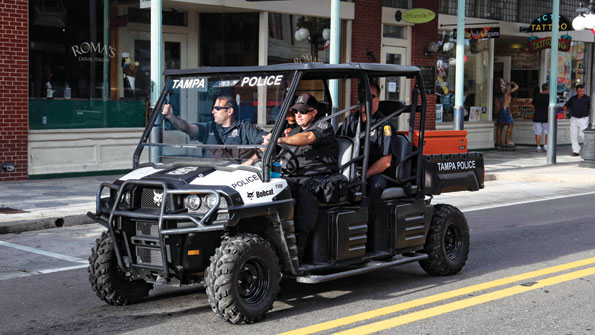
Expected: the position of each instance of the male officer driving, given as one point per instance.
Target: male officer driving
(317, 152)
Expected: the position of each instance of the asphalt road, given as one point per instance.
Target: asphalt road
(531, 270)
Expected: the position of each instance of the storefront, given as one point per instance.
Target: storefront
(479, 59)
(511, 55)
(89, 73)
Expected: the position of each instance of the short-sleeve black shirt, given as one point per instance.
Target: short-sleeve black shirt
(321, 157)
(381, 138)
(580, 107)
(541, 102)
(240, 132)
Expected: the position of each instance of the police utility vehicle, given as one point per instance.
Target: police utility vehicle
(186, 215)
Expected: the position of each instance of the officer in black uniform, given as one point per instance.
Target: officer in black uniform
(317, 152)
(380, 161)
(224, 129)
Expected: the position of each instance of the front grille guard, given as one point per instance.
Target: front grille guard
(200, 223)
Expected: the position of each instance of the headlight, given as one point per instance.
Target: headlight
(193, 202)
(128, 198)
(212, 201)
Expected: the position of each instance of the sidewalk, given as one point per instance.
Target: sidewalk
(38, 204)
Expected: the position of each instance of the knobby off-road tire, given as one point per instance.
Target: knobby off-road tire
(447, 244)
(243, 279)
(107, 280)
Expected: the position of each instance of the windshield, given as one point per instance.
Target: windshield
(216, 118)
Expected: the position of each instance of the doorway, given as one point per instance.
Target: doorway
(394, 88)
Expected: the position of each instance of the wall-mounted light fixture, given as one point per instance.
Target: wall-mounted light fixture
(8, 167)
(432, 48)
(586, 17)
(316, 31)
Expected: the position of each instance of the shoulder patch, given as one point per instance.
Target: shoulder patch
(323, 125)
(387, 130)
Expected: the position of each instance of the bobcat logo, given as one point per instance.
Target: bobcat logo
(157, 198)
(250, 195)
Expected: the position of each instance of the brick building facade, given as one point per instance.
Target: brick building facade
(366, 43)
(14, 123)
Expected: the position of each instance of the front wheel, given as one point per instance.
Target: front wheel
(447, 244)
(108, 281)
(243, 278)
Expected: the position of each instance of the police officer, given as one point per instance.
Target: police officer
(380, 161)
(224, 129)
(317, 152)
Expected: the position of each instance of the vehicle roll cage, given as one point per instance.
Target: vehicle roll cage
(319, 71)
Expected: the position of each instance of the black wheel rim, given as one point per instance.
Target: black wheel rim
(253, 280)
(453, 245)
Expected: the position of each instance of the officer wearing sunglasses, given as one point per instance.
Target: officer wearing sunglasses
(224, 129)
(317, 151)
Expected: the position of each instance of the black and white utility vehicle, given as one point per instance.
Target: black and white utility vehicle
(186, 215)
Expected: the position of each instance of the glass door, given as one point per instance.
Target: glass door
(394, 88)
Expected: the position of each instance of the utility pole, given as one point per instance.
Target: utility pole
(156, 66)
(459, 110)
(551, 111)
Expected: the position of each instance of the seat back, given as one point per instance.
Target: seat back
(403, 147)
(345, 155)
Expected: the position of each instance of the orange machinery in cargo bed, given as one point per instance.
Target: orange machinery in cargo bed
(442, 141)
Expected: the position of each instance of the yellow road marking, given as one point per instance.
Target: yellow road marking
(457, 305)
(435, 298)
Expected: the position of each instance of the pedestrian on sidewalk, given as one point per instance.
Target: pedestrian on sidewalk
(505, 116)
(540, 125)
(580, 107)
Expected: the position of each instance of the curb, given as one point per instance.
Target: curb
(539, 177)
(23, 225)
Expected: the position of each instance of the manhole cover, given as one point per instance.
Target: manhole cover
(6, 210)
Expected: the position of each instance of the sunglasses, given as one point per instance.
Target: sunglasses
(304, 112)
(374, 97)
(218, 108)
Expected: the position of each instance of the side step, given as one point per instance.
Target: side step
(364, 268)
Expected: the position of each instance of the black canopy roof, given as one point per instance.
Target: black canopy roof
(317, 70)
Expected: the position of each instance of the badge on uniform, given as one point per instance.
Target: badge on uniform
(235, 133)
(323, 125)
(373, 132)
(387, 131)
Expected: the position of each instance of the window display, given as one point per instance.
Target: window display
(476, 83)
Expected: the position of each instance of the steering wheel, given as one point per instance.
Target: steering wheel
(293, 158)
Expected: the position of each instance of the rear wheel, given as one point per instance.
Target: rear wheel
(108, 281)
(243, 279)
(447, 244)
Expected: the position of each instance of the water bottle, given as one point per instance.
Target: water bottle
(67, 91)
(276, 170)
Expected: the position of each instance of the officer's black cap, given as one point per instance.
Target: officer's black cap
(305, 102)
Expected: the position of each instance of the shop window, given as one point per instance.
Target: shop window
(393, 31)
(298, 39)
(571, 69)
(229, 39)
(172, 17)
(476, 82)
(73, 70)
(396, 4)
(276, 26)
(450, 7)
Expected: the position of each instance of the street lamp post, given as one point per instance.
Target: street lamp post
(586, 20)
